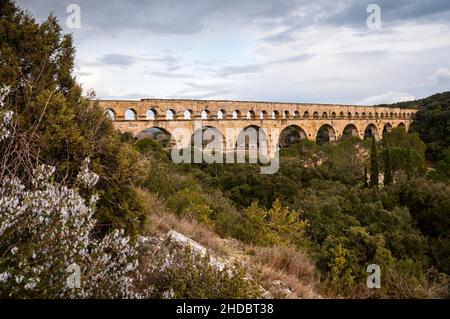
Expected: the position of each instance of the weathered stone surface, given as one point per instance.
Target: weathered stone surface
(352, 119)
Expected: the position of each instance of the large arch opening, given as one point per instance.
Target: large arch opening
(290, 135)
(350, 130)
(401, 124)
(370, 131)
(387, 128)
(160, 135)
(207, 135)
(251, 137)
(325, 134)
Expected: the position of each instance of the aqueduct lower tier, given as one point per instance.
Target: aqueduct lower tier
(171, 115)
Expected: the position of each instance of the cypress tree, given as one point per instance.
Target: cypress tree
(387, 166)
(409, 164)
(373, 164)
(366, 184)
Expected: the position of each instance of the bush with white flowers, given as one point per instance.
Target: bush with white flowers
(5, 116)
(46, 227)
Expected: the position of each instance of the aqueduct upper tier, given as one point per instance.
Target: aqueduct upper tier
(169, 114)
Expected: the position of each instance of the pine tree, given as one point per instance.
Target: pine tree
(373, 164)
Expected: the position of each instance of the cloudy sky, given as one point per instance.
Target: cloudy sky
(272, 50)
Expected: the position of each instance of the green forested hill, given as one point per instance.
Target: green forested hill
(439, 101)
(432, 123)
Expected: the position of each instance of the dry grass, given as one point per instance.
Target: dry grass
(299, 289)
(288, 265)
(289, 260)
(161, 220)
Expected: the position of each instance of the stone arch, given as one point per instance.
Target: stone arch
(370, 115)
(236, 115)
(363, 115)
(221, 115)
(306, 115)
(401, 124)
(130, 115)
(205, 115)
(349, 115)
(250, 115)
(341, 115)
(159, 134)
(187, 115)
(206, 135)
(262, 115)
(291, 134)
(251, 137)
(275, 115)
(316, 115)
(356, 115)
(387, 127)
(371, 130)
(285, 114)
(324, 115)
(349, 131)
(150, 114)
(111, 114)
(170, 114)
(333, 115)
(296, 114)
(326, 133)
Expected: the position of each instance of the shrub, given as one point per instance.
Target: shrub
(189, 275)
(48, 227)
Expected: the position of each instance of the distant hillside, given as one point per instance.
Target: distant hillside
(432, 122)
(439, 101)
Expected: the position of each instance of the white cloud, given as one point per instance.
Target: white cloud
(318, 51)
(387, 98)
(442, 75)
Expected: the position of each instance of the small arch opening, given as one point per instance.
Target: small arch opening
(130, 115)
(150, 114)
(236, 115)
(110, 114)
(170, 114)
(250, 115)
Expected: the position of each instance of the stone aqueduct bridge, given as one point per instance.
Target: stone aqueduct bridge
(171, 114)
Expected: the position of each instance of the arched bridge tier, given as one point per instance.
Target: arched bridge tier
(273, 118)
